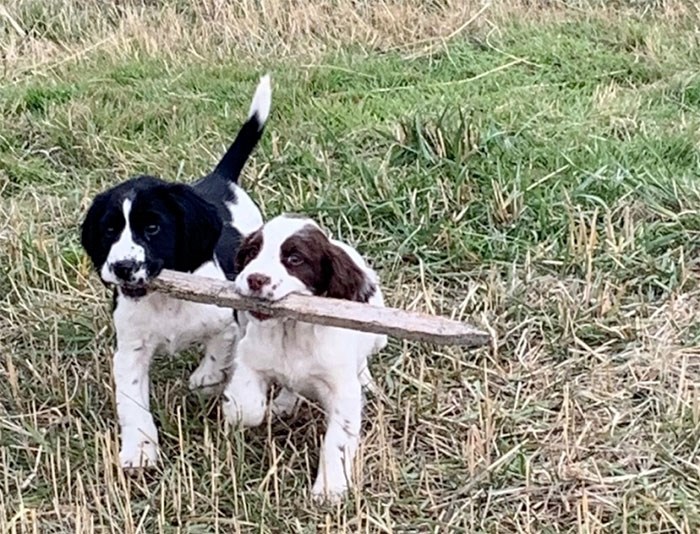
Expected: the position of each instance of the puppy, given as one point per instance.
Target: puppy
(136, 229)
(328, 364)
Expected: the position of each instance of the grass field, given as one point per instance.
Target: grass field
(532, 166)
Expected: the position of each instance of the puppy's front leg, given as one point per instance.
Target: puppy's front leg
(214, 369)
(344, 412)
(139, 436)
(245, 395)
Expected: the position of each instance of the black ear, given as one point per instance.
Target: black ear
(347, 281)
(199, 224)
(92, 233)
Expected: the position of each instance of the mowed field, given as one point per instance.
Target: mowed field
(530, 166)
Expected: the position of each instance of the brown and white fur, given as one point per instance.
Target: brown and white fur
(287, 255)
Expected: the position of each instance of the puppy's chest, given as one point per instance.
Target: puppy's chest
(169, 324)
(291, 357)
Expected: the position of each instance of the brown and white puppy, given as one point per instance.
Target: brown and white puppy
(328, 364)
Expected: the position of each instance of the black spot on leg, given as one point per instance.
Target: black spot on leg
(134, 381)
(212, 357)
(224, 376)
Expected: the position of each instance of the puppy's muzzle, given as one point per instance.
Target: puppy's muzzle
(125, 270)
(257, 281)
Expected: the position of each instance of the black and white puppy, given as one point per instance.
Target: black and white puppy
(138, 228)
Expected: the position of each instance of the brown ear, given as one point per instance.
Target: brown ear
(249, 249)
(347, 280)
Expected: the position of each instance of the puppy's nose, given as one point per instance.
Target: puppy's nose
(124, 269)
(257, 281)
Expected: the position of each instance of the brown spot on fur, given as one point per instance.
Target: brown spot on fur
(347, 428)
(249, 249)
(325, 268)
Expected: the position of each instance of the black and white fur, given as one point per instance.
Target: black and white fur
(144, 225)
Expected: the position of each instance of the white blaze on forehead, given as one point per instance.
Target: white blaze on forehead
(274, 234)
(125, 248)
(269, 263)
(281, 228)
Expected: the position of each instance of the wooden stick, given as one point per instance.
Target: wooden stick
(325, 311)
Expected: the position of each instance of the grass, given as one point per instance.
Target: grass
(532, 168)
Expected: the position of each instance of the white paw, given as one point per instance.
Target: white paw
(328, 493)
(208, 381)
(284, 404)
(238, 413)
(138, 454)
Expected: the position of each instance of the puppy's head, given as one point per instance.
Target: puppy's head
(136, 229)
(293, 255)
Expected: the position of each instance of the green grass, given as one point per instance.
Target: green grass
(537, 173)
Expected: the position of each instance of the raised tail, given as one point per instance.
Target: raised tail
(248, 136)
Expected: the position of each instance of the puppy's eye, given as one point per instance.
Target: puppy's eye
(152, 229)
(294, 260)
